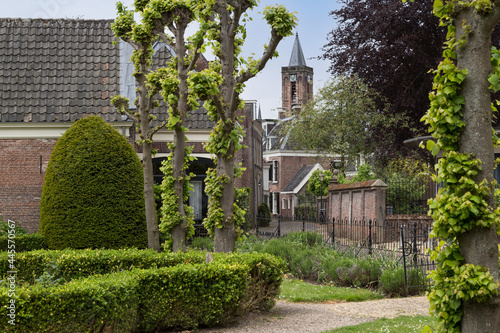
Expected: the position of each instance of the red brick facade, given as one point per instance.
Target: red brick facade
(288, 165)
(22, 168)
(23, 163)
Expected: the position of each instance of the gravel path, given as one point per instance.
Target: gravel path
(318, 317)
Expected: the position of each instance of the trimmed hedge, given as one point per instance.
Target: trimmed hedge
(266, 275)
(95, 304)
(188, 296)
(72, 264)
(184, 296)
(93, 191)
(25, 242)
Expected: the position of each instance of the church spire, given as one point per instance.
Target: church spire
(297, 57)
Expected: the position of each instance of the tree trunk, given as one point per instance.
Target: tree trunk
(149, 198)
(179, 231)
(479, 246)
(225, 237)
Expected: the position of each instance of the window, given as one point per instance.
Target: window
(275, 171)
(289, 203)
(270, 173)
(283, 205)
(294, 93)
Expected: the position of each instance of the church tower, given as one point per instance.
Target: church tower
(296, 82)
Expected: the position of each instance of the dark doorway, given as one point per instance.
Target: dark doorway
(197, 199)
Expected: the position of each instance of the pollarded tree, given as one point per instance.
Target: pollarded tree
(466, 292)
(176, 82)
(92, 193)
(141, 39)
(228, 35)
(172, 82)
(340, 120)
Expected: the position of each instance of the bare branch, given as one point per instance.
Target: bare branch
(268, 54)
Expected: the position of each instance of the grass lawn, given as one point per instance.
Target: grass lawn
(403, 324)
(300, 291)
(293, 290)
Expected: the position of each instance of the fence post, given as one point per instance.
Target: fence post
(257, 224)
(415, 259)
(370, 237)
(404, 256)
(279, 225)
(333, 230)
(303, 223)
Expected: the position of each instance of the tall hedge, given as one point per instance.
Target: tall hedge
(93, 194)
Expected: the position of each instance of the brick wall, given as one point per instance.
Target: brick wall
(251, 178)
(357, 202)
(22, 168)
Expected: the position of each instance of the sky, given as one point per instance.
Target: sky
(265, 88)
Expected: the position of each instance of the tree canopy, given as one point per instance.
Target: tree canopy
(340, 120)
(391, 46)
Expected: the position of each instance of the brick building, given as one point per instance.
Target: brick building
(54, 72)
(289, 165)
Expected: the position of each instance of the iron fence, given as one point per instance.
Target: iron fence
(409, 197)
(404, 241)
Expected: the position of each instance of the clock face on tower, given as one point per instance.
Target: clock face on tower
(293, 78)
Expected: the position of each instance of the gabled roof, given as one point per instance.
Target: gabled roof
(51, 66)
(301, 178)
(297, 57)
(283, 141)
(61, 70)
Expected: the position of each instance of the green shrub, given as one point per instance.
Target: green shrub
(304, 264)
(264, 215)
(265, 277)
(305, 238)
(183, 296)
(392, 282)
(190, 296)
(95, 304)
(280, 248)
(361, 274)
(202, 243)
(24, 242)
(72, 264)
(302, 260)
(250, 243)
(10, 225)
(330, 267)
(92, 196)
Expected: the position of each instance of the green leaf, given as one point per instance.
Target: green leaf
(430, 145)
(493, 79)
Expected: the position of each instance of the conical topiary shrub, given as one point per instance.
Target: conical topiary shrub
(93, 194)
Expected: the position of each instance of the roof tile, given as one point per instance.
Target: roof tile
(49, 61)
(64, 69)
